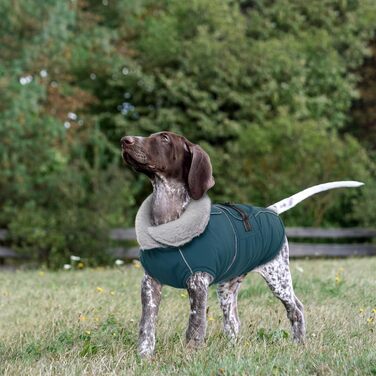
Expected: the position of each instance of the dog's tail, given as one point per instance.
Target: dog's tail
(289, 202)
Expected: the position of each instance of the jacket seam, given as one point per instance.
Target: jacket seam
(236, 244)
(266, 212)
(228, 211)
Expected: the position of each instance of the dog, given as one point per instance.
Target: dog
(173, 226)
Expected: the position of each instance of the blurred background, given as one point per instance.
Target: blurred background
(281, 94)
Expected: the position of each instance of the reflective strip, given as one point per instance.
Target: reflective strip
(186, 263)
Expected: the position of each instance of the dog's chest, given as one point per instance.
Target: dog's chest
(224, 250)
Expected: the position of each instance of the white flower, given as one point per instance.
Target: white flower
(72, 116)
(119, 262)
(26, 80)
(67, 266)
(75, 258)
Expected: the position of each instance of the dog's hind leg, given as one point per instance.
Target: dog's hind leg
(228, 299)
(197, 286)
(150, 298)
(278, 277)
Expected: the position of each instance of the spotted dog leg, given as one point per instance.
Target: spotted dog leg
(228, 296)
(277, 275)
(197, 286)
(150, 299)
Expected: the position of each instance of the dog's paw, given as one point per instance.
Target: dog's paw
(194, 343)
(146, 350)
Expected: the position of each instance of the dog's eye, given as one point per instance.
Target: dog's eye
(165, 138)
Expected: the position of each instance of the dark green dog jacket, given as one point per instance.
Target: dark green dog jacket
(224, 250)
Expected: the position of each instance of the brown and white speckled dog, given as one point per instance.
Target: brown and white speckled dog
(181, 171)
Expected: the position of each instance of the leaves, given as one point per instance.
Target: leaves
(264, 86)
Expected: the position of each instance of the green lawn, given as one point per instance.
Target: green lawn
(85, 322)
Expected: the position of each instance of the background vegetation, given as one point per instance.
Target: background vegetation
(272, 90)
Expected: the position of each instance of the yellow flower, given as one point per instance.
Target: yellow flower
(361, 310)
(370, 320)
(183, 294)
(99, 289)
(374, 311)
(112, 293)
(96, 319)
(211, 318)
(88, 332)
(136, 264)
(339, 276)
(80, 265)
(82, 318)
(41, 274)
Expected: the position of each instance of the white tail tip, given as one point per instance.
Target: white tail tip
(290, 202)
(353, 183)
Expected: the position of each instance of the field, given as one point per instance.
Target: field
(85, 322)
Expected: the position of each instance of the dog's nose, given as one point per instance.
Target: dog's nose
(127, 140)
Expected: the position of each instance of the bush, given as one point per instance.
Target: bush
(265, 87)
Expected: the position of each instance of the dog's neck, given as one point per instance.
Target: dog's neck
(169, 200)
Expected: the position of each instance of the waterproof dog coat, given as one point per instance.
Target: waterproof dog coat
(208, 238)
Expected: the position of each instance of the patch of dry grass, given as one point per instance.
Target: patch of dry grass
(85, 322)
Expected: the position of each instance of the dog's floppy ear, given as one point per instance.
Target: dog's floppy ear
(200, 178)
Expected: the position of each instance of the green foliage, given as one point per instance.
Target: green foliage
(264, 86)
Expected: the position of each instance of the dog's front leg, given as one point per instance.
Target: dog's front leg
(197, 286)
(150, 299)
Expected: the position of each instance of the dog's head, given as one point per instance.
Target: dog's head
(168, 155)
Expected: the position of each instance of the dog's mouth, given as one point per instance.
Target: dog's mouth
(136, 159)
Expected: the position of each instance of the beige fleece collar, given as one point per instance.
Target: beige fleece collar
(175, 233)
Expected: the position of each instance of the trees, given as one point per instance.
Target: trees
(265, 87)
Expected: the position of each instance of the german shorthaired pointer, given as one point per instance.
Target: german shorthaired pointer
(181, 174)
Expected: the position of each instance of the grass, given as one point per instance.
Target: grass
(85, 323)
